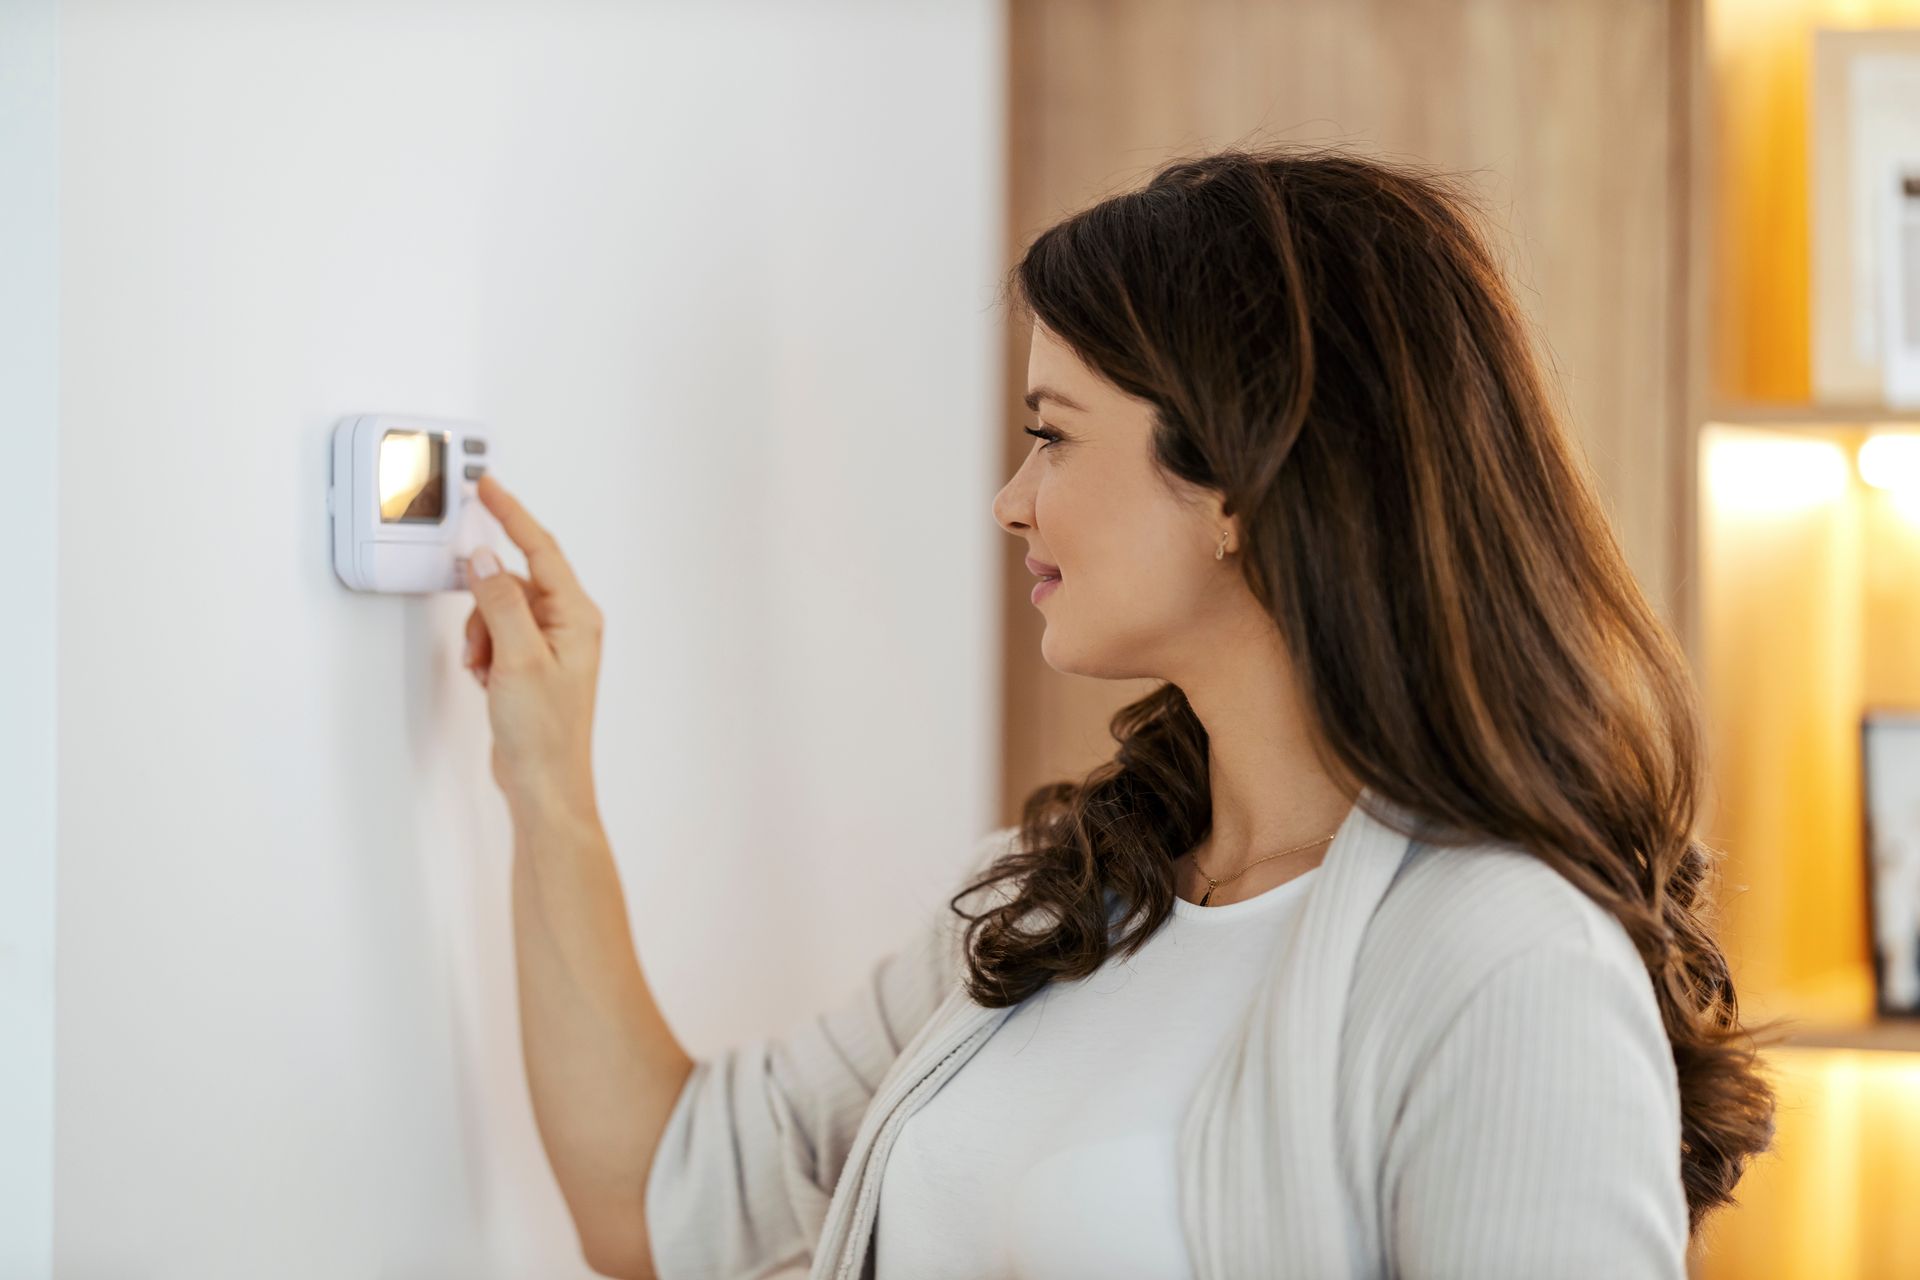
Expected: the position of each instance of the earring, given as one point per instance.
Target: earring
(1223, 545)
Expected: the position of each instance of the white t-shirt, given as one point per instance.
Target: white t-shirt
(1049, 1155)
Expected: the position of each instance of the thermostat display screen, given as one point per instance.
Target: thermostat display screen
(413, 477)
(403, 497)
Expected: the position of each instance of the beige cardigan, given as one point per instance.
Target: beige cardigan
(1461, 1071)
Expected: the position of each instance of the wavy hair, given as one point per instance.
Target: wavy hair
(1327, 342)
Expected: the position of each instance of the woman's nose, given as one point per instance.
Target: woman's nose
(1010, 506)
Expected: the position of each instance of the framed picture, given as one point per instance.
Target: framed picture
(1900, 274)
(1864, 105)
(1890, 780)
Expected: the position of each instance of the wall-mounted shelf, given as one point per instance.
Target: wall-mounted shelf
(1836, 1011)
(1784, 414)
(1895, 1034)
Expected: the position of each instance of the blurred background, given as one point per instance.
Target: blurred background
(722, 280)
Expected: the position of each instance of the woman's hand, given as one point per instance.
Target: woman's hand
(534, 645)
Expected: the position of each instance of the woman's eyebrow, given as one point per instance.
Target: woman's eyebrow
(1035, 396)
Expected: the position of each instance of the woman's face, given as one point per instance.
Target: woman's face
(1139, 587)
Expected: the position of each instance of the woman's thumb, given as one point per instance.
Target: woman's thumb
(504, 605)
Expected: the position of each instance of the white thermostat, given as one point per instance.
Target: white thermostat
(406, 510)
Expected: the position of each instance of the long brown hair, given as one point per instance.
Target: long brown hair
(1328, 343)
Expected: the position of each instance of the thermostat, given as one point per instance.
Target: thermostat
(405, 502)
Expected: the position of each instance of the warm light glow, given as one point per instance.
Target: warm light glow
(1891, 460)
(1758, 473)
(1832, 1198)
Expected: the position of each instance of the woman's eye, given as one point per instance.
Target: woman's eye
(1044, 433)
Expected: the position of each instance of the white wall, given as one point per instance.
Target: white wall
(721, 278)
(29, 461)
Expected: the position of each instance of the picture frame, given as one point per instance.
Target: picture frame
(1863, 102)
(1900, 275)
(1890, 811)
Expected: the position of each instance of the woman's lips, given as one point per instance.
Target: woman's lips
(1049, 575)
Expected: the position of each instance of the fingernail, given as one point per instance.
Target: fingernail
(484, 563)
(477, 677)
(466, 654)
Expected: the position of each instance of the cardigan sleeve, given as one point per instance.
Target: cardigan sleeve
(745, 1169)
(1542, 1137)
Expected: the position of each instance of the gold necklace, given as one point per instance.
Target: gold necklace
(1213, 884)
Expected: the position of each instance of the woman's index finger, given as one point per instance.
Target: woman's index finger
(544, 562)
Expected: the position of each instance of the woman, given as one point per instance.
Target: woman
(1377, 948)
